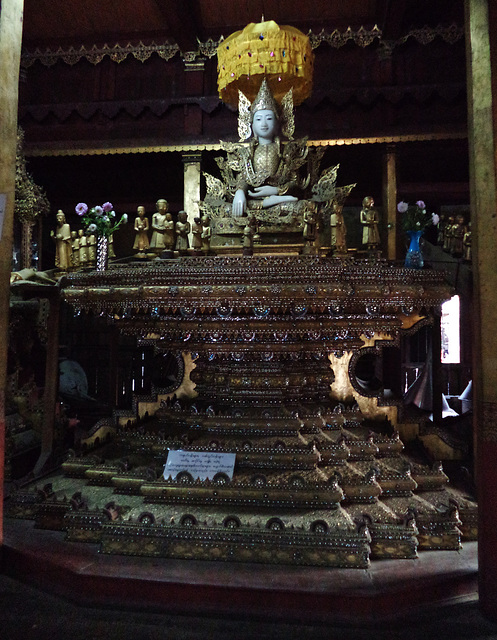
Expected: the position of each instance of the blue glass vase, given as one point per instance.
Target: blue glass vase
(414, 255)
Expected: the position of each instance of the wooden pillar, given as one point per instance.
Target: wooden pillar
(11, 13)
(390, 200)
(482, 110)
(191, 172)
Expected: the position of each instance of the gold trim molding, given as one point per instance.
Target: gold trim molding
(118, 53)
(193, 148)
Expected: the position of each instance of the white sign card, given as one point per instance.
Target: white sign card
(3, 204)
(200, 464)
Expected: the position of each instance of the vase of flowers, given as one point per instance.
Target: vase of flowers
(414, 220)
(100, 221)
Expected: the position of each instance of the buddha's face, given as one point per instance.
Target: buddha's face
(61, 218)
(141, 211)
(264, 124)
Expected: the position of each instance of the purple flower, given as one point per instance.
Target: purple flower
(402, 207)
(98, 211)
(107, 207)
(435, 218)
(81, 209)
(421, 204)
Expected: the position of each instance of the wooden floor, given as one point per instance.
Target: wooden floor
(387, 589)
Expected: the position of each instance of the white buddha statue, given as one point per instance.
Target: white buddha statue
(276, 183)
(266, 173)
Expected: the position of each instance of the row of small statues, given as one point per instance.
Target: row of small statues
(368, 217)
(75, 249)
(454, 236)
(78, 250)
(168, 236)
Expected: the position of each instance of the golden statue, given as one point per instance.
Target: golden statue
(310, 232)
(83, 249)
(169, 233)
(75, 249)
(141, 227)
(338, 230)
(183, 228)
(370, 221)
(63, 242)
(92, 250)
(159, 226)
(197, 236)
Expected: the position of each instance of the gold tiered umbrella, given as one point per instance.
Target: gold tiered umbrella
(281, 54)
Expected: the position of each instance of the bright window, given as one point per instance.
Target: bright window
(451, 348)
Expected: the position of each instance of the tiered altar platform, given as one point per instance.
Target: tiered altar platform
(272, 349)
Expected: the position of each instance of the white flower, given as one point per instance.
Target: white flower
(125, 218)
(435, 218)
(92, 228)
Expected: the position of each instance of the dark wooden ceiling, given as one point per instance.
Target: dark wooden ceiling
(184, 22)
